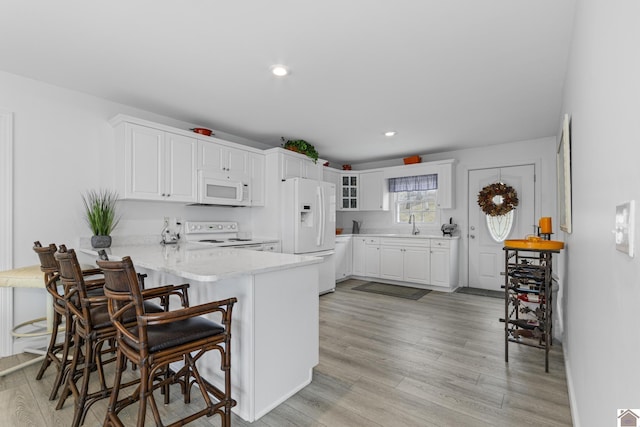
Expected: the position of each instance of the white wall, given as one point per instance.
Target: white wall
(62, 147)
(540, 151)
(602, 93)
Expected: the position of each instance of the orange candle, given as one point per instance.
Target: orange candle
(545, 225)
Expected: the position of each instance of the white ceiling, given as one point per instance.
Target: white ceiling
(445, 74)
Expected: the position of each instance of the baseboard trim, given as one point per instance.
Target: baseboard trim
(573, 404)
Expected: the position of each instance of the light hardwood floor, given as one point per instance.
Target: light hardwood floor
(384, 361)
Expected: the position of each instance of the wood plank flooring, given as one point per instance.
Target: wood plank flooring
(384, 361)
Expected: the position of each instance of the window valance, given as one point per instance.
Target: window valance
(413, 183)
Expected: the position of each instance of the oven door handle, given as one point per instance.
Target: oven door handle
(251, 247)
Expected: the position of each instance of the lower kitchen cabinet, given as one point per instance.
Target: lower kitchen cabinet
(343, 257)
(422, 261)
(358, 255)
(366, 256)
(372, 257)
(417, 265)
(392, 265)
(444, 262)
(405, 260)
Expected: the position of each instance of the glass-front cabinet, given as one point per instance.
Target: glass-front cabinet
(350, 191)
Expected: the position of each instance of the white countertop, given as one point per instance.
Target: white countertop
(407, 236)
(205, 264)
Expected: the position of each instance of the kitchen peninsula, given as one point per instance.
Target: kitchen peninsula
(275, 322)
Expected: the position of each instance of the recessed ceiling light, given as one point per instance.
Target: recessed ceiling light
(390, 133)
(280, 70)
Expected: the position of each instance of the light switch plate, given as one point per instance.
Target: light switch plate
(624, 231)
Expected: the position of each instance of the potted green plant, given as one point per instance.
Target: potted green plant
(301, 146)
(101, 215)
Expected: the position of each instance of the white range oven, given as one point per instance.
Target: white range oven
(224, 234)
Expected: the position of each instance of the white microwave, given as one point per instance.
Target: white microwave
(216, 190)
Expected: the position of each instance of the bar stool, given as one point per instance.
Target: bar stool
(58, 352)
(92, 329)
(159, 339)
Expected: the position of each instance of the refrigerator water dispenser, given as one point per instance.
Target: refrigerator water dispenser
(306, 216)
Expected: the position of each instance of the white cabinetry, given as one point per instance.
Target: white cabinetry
(444, 262)
(432, 262)
(349, 189)
(158, 165)
(296, 165)
(372, 257)
(405, 259)
(258, 177)
(374, 191)
(181, 183)
(417, 264)
(446, 193)
(358, 255)
(333, 176)
(343, 257)
(366, 256)
(392, 260)
(214, 156)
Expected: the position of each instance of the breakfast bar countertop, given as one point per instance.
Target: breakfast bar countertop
(204, 264)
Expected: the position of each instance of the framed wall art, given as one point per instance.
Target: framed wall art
(564, 175)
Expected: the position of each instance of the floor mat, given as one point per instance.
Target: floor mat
(481, 292)
(392, 290)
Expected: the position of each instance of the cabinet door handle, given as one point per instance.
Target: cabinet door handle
(472, 236)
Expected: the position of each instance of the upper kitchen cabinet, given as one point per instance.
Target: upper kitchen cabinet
(217, 156)
(154, 164)
(257, 170)
(284, 164)
(374, 191)
(333, 176)
(349, 191)
(446, 185)
(296, 165)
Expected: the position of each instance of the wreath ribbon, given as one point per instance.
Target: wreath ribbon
(487, 195)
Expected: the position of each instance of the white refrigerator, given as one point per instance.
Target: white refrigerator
(309, 224)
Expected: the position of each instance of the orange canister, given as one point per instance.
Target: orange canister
(545, 225)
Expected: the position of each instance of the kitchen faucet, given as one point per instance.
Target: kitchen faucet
(412, 220)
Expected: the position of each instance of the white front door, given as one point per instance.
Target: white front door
(486, 257)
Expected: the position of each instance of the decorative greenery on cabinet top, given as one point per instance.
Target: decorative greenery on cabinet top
(301, 146)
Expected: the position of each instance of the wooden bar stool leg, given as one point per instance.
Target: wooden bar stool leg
(81, 394)
(52, 348)
(70, 376)
(64, 358)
